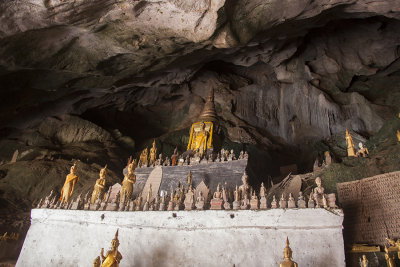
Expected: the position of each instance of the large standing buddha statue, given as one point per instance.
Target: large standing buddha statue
(202, 138)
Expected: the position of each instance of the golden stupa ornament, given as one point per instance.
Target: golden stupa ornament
(201, 132)
(287, 255)
(351, 152)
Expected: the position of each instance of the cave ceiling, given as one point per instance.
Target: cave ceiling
(286, 74)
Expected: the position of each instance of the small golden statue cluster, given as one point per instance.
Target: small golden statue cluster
(113, 256)
(7, 237)
(390, 259)
(351, 152)
(243, 197)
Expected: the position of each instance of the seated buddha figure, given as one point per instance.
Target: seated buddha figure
(127, 183)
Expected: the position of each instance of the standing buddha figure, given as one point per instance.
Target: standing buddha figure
(99, 186)
(127, 183)
(351, 152)
(389, 259)
(398, 135)
(287, 255)
(113, 256)
(69, 184)
(153, 154)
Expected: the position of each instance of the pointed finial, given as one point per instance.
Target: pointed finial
(116, 234)
(287, 242)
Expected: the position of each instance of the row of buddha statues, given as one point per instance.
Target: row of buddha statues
(390, 258)
(113, 257)
(243, 197)
(147, 159)
(7, 237)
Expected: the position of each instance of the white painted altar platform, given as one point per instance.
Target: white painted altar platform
(191, 238)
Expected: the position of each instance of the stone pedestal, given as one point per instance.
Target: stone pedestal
(216, 204)
(236, 205)
(254, 204)
(75, 237)
(263, 203)
(292, 204)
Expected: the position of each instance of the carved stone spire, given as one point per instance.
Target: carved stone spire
(209, 113)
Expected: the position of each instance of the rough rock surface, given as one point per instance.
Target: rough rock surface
(98, 80)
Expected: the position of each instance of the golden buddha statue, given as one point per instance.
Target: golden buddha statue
(389, 259)
(99, 186)
(395, 244)
(351, 152)
(364, 261)
(398, 135)
(70, 181)
(287, 255)
(127, 183)
(189, 178)
(201, 132)
(153, 154)
(113, 256)
(143, 157)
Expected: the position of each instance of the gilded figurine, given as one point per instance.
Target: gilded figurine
(127, 183)
(363, 151)
(350, 145)
(189, 178)
(363, 261)
(389, 259)
(143, 158)
(70, 181)
(113, 256)
(99, 186)
(153, 154)
(398, 135)
(395, 244)
(287, 255)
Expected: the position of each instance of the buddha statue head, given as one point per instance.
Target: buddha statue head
(73, 169)
(103, 172)
(115, 242)
(318, 181)
(245, 178)
(287, 251)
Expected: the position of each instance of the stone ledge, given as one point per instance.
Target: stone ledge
(191, 238)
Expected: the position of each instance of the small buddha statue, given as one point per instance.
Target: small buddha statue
(350, 145)
(395, 244)
(225, 197)
(389, 259)
(301, 203)
(274, 204)
(291, 202)
(189, 178)
(287, 255)
(236, 202)
(241, 155)
(398, 135)
(226, 154)
(113, 256)
(244, 188)
(363, 261)
(282, 202)
(143, 158)
(174, 157)
(217, 194)
(68, 188)
(245, 201)
(189, 199)
(216, 201)
(363, 151)
(311, 203)
(99, 186)
(319, 193)
(171, 201)
(200, 201)
(153, 154)
(127, 183)
(254, 201)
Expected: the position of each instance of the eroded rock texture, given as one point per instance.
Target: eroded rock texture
(98, 80)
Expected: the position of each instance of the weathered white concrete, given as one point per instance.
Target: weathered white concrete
(192, 238)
